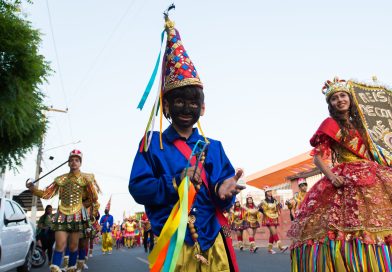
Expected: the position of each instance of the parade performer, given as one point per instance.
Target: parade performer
(294, 203)
(181, 198)
(344, 223)
(129, 232)
(270, 208)
(136, 238)
(238, 222)
(106, 223)
(147, 233)
(90, 232)
(96, 228)
(252, 217)
(118, 236)
(71, 218)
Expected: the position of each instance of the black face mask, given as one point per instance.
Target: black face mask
(191, 114)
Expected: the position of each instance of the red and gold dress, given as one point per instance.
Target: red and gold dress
(237, 219)
(271, 210)
(347, 228)
(252, 216)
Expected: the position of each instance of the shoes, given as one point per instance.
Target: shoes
(241, 245)
(271, 251)
(90, 255)
(255, 249)
(85, 266)
(110, 253)
(103, 252)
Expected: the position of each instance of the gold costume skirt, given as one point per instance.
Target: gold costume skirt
(216, 256)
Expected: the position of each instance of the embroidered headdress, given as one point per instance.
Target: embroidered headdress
(177, 71)
(334, 86)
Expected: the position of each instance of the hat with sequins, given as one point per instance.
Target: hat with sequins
(334, 86)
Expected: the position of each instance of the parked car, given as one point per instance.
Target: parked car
(17, 237)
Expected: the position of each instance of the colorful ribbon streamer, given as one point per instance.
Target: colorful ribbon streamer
(171, 240)
(153, 76)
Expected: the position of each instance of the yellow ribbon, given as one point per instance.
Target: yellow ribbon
(170, 226)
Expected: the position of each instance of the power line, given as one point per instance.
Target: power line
(95, 61)
(58, 66)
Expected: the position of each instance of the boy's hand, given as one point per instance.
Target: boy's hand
(229, 187)
(194, 175)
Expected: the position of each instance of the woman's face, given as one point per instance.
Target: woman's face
(340, 102)
(237, 203)
(249, 200)
(269, 193)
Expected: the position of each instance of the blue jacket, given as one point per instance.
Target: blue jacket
(106, 225)
(151, 184)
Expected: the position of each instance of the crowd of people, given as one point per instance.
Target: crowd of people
(130, 233)
(250, 217)
(187, 185)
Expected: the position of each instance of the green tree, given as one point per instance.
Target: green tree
(22, 71)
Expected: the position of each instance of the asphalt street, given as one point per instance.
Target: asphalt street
(136, 260)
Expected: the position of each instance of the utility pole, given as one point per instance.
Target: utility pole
(38, 169)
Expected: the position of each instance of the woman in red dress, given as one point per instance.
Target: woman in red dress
(345, 220)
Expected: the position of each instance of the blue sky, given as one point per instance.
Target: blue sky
(262, 63)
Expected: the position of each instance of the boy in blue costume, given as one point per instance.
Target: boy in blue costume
(158, 170)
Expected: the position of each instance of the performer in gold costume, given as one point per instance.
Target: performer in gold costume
(270, 208)
(238, 222)
(71, 218)
(294, 203)
(88, 235)
(252, 217)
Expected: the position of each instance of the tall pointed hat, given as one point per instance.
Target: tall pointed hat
(107, 207)
(177, 70)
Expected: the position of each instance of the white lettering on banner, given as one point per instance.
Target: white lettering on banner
(376, 111)
(379, 96)
(378, 131)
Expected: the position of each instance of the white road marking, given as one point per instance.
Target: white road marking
(142, 260)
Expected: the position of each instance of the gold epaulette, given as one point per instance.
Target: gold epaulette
(88, 177)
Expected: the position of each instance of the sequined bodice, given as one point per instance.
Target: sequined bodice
(270, 209)
(344, 155)
(71, 189)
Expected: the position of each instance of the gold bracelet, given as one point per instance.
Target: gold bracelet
(175, 184)
(216, 188)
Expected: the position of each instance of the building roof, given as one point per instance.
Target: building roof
(278, 173)
(25, 198)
